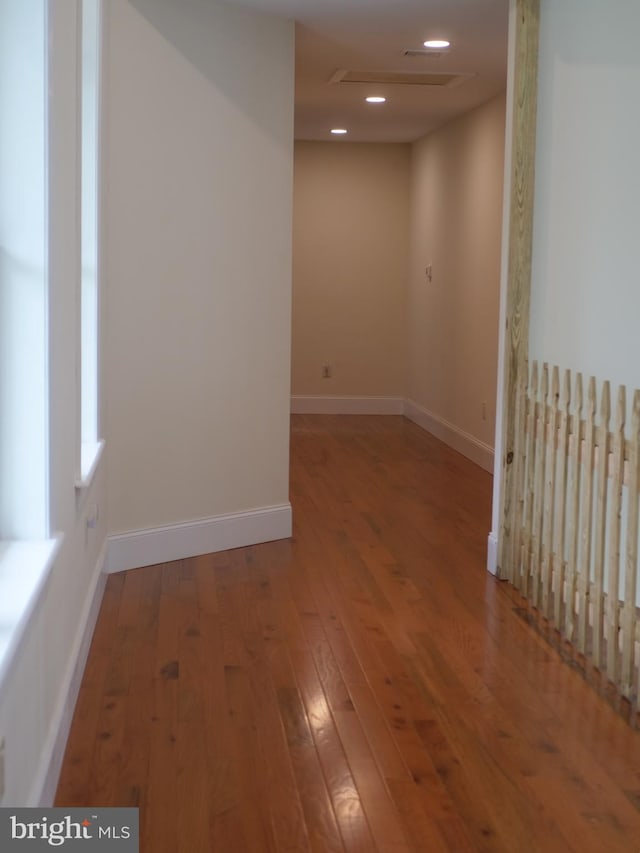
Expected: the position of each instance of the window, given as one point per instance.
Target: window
(23, 271)
(25, 550)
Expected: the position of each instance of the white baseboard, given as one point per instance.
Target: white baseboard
(492, 553)
(204, 536)
(43, 789)
(468, 445)
(317, 405)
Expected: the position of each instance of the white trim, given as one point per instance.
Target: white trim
(468, 445)
(203, 536)
(44, 786)
(318, 405)
(492, 553)
(91, 453)
(24, 570)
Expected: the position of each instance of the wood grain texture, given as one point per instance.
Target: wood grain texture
(600, 524)
(631, 553)
(586, 519)
(560, 520)
(550, 490)
(615, 518)
(518, 297)
(573, 516)
(366, 686)
(578, 477)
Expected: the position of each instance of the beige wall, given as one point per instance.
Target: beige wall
(198, 208)
(350, 240)
(456, 221)
(368, 220)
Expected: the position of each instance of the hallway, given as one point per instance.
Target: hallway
(366, 686)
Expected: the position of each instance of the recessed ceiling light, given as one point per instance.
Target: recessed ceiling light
(437, 44)
(375, 99)
(338, 130)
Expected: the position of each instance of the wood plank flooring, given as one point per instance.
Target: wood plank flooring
(363, 687)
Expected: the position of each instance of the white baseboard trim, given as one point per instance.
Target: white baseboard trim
(204, 536)
(468, 445)
(317, 405)
(43, 789)
(492, 553)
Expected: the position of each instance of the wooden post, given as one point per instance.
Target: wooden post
(520, 244)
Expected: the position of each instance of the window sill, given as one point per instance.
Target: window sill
(90, 455)
(24, 569)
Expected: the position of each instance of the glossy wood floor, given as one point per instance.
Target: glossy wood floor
(364, 687)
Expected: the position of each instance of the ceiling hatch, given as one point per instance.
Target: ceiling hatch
(439, 79)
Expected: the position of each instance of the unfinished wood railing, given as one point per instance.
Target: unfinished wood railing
(572, 544)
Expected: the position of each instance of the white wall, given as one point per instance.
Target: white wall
(35, 684)
(197, 165)
(199, 174)
(585, 291)
(350, 241)
(452, 320)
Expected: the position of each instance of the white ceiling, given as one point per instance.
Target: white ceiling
(372, 35)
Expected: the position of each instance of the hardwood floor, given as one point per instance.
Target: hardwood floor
(363, 687)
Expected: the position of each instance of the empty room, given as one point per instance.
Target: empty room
(319, 437)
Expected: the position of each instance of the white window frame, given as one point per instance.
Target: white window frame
(90, 57)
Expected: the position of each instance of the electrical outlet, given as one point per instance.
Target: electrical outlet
(326, 371)
(484, 410)
(2, 784)
(429, 272)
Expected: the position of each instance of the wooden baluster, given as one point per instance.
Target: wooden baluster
(561, 502)
(527, 536)
(573, 529)
(538, 516)
(629, 617)
(584, 566)
(546, 541)
(602, 435)
(516, 563)
(615, 514)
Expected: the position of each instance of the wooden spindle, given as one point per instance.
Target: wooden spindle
(531, 470)
(584, 565)
(549, 494)
(561, 502)
(631, 554)
(615, 515)
(538, 488)
(600, 523)
(573, 528)
(517, 503)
